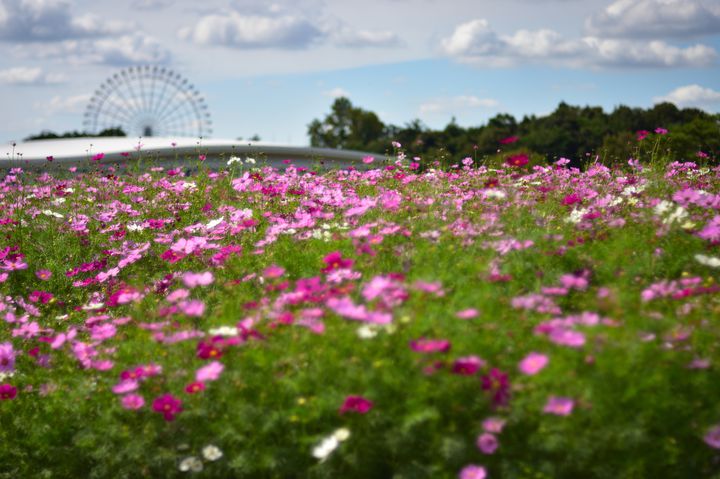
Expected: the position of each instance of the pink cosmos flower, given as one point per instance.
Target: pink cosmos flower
(509, 140)
(533, 363)
(273, 271)
(567, 337)
(642, 134)
(98, 157)
(712, 437)
(209, 372)
(468, 365)
(368, 159)
(192, 280)
(7, 357)
(356, 404)
(125, 386)
(132, 401)
(560, 406)
(494, 425)
(423, 345)
(43, 274)
(467, 313)
(661, 131)
(194, 308)
(7, 392)
(487, 443)
(473, 471)
(167, 405)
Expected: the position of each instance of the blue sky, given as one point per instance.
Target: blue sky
(270, 68)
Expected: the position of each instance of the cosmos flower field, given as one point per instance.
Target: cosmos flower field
(402, 320)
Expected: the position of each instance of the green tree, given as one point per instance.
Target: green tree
(347, 127)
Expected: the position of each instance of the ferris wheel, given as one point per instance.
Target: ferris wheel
(148, 101)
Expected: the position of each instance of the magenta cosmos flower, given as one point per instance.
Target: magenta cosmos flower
(496, 383)
(335, 261)
(356, 404)
(167, 405)
(468, 365)
(517, 160)
(7, 392)
(423, 345)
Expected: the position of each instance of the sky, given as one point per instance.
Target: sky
(269, 69)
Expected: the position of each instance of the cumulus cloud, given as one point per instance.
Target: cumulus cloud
(125, 50)
(275, 26)
(457, 103)
(655, 19)
(50, 20)
(29, 76)
(475, 42)
(692, 96)
(253, 31)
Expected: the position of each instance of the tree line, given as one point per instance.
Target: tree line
(573, 132)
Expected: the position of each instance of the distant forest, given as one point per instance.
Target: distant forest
(50, 135)
(576, 133)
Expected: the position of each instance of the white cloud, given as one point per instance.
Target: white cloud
(126, 50)
(618, 52)
(151, 4)
(337, 92)
(285, 27)
(456, 103)
(50, 20)
(348, 37)
(29, 76)
(655, 19)
(475, 42)
(252, 31)
(692, 96)
(64, 104)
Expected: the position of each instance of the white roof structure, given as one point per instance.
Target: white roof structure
(170, 152)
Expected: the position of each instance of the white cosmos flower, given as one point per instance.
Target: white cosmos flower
(192, 464)
(214, 223)
(323, 450)
(342, 434)
(663, 207)
(711, 261)
(223, 331)
(367, 331)
(233, 160)
(212, 453)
